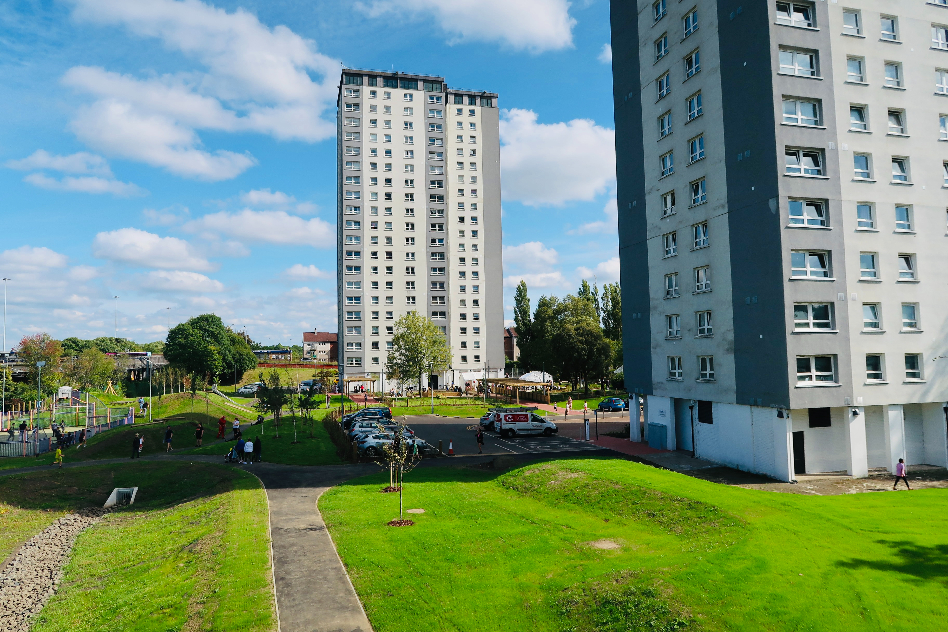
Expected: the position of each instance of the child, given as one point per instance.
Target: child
(59, 457)
(900, 473)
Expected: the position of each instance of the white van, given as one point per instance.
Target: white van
(522, 423)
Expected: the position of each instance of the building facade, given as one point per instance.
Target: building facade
(783, 186)
(419, 225)
(321, 347)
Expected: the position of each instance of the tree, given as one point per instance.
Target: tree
(272, 397)
(41, 348)
(242, 357)
(203, 347)
(584, 351)
(91, 369)
(401, 456)
(590, 294)
(612, 311)
(417, 346)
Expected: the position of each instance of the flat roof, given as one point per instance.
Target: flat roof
(411, 75)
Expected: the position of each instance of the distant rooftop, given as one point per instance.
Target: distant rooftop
(411, 77)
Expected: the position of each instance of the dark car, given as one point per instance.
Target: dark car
(613, 404)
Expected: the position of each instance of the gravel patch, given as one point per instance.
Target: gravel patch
(34, 572)
(605, 545)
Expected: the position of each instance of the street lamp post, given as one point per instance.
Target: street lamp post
(430, 389)
(3, 406)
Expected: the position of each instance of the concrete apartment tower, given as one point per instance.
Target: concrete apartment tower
(783, 185)
(418, 222)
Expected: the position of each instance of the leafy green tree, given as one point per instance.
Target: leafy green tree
(612, 311)
(202, 346)
(590, 294)
(91, 369)
(242, 357)
(417, 346)
(583, 351)
(272, 397)
(75, 346)
(542, 354)
(41, 348)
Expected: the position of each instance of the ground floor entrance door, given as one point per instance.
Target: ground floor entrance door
(433, 381)
(799, 459)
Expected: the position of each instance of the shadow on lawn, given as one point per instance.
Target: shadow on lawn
(925, 563)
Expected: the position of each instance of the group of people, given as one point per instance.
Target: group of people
(248, 451)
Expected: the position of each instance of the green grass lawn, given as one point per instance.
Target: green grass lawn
(192, 553)
(513, 551)
(318, 450)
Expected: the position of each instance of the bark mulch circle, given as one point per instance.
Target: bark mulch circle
(389, 490)
(401, 523)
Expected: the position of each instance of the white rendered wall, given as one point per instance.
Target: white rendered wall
(914, 434)
(659, 411)
(748, 438)
(875, 437)
(936, 438)
(825, 449)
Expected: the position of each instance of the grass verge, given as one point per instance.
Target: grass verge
(543, 547)
(191, 554)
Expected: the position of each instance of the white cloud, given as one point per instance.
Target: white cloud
(299, 271)
(84, 184)
(538, 280)
(272, 227)
(41, 280)
(251, 78)
(136, 247)
(28, 260)
(556, 163)
(533, 25)
(605, 55)
(532, 255)
(168, 216)
(608, 226)
(81, 162)
(179, 281)
(605, 272)
(265, 197)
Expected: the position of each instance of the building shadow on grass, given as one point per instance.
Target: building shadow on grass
(924, 563)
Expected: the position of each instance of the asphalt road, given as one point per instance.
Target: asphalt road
(461, 432)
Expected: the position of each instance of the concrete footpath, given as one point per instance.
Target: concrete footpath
(313, 591)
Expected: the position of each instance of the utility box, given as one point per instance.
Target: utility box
(657, 436)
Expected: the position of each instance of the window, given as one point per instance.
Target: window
(661, 46)
(663, 84)
(674, 368)
(856, 69)
(897, 122)
(900, 170)
(801, 63)
(705, 368)
(903, 217)
(702, 279)
(696, 149)
(668, 164)
(913, 366)
(940, 36)
(944, 170)
(668, 203)
(907, 268)
(353, 346)
(671, 285)
(861, 167)
(659, 9)
(888, 28)
(852, 22)
(865, 217)
(801, 112)
(673, 326)
(353, 330)
(893, 74)
(795, 14)
(353, 361)
(690, 22)
(353, 315)
(874, 365)
(868, 265)
(816, 369)
(909, 317)
(820, 418)
(665, 124)
(804, 162)
(704, 324)
(694, 106)
(699, 192)
(871, 320)
(807, 213)
(700, 234)
(941, 81)
(813, 316)
(812, 264)
(670, 244)
(692, 64)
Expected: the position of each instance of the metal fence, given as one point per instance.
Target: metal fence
(34, 444)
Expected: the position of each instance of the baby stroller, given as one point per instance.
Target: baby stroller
(233, 456)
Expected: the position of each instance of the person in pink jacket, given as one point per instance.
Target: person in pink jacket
(900, 474)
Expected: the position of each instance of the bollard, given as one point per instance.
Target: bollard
(586, 425)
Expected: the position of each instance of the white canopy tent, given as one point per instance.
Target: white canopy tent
(537, 376)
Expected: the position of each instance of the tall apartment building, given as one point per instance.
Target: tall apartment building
(783, 185)
(418, 221)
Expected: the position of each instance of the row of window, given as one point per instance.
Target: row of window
(699, 239)
(436, 286)
(433, 156)
(702, 282)
(387, 196)
(821, 317)
(811, 370)
(699, 195)
(351, 209)
(806, 112)
(410, 271)
(809, 162)
(410, 300)
(702, 325)
(356, 361)
(818, 264)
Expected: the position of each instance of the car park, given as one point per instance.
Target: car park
(348, 423)
(613, 404)
(510, 424)
(365, 427)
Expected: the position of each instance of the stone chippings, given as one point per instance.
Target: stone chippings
(34, 573)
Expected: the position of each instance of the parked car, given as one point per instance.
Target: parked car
(613, 404)
(247, 389)
(347, 423)
(487, 420)
(373, 445)
(522, 423)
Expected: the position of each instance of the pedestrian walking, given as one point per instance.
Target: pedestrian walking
(58, 458)
(221, 426)
(569, 405)
(23, 432)
(480, 440)
(236, 428)
(248, 451)
(199, 434)
(82, 438)
(585, 409)
(900, 473)
(239, 448)
(141, 444)
(136, 446)
(169, 433)
(257, 448)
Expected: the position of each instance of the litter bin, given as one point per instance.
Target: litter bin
(657, 436)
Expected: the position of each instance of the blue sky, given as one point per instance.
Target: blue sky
(181, 155)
